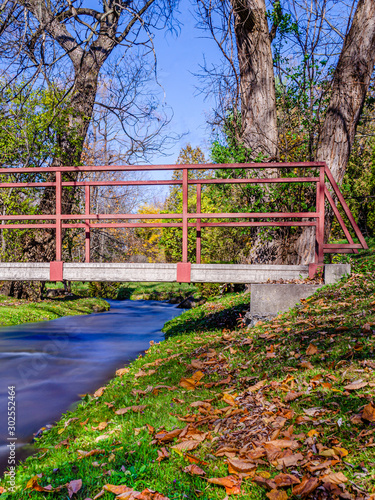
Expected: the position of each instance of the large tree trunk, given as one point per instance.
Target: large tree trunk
(257, 84)
(350, 84)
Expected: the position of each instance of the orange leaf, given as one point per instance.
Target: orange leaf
(335, 478)
(117, 489)
(229, 399)
(232, 484)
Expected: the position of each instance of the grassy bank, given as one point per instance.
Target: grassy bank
(282, 410)
(16, 311)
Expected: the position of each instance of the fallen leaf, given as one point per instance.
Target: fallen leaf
(232, 484)
(236, 465)
(354, 386)
(117, 489)
(136, 409)
(74, 486)
(122, 371)
(99, 392)
(282, 480)
(313, 432)
(290, 460)
(311, 350)
(257, 386)
(307, 486)
(368, 413)
(85, 454)
(341, 452)
(229, 399)
(306, 364)
(292, 395)
(191, 383)
(162, 454)
(277, 495)
(334, 478)
(166, 437)
(143, 373)
(194, 470)
(188, 445)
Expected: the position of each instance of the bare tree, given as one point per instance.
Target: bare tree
(319, 38)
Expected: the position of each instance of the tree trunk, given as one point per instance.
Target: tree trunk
(257, 84)
(350, 84)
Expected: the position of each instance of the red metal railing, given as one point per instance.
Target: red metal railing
(89, 221)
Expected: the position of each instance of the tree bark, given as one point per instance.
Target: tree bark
(257, 83)
(349, 87)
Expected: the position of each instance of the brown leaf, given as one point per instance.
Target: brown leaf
(194, 470)
(136, 409)
(99, 392)
(162, 454)
(369, 413)
(284, 443)
(143, 373)
(256, 387)
(232, 484)
(277, 495)
(354, 386)
(74, 486)
(334, 478)
(187, 445)
(165, 437)
(197, 364)
(292, 395)
(2, 490)
(33, 484)
(265, 483)
(306, 364)
(311, 350)
(122, 371)
(236, 465)
(307, 486)
(290, 460)
(282, 480)
(85, 454)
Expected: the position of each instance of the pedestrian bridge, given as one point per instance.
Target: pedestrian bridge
(318, 175)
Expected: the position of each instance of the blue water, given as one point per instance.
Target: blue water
(53, 362)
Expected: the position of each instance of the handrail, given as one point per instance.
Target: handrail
(89, 221)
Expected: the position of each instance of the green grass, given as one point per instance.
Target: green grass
(339, 321)
(16, 311)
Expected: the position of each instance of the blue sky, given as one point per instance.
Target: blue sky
(179, 57)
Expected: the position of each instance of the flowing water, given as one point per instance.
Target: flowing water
(51, 363)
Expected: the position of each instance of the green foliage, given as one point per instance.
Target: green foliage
(104, 289)
(209, 290)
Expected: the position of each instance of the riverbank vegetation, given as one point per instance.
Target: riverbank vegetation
(281, 410)
(18, 311)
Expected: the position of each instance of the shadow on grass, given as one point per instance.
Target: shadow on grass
(230, 318)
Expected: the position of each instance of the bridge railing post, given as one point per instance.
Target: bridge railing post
(198, 224)
(185, 214)
(58, 217)
(87, 224)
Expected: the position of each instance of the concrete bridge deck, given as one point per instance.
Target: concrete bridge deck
(206, 273)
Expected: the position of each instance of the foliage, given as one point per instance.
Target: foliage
(209, 290)
(103, 289)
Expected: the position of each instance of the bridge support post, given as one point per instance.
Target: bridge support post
(56, 271)
(87, 224)
(183, 272)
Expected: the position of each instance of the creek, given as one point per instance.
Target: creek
(52, 363)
